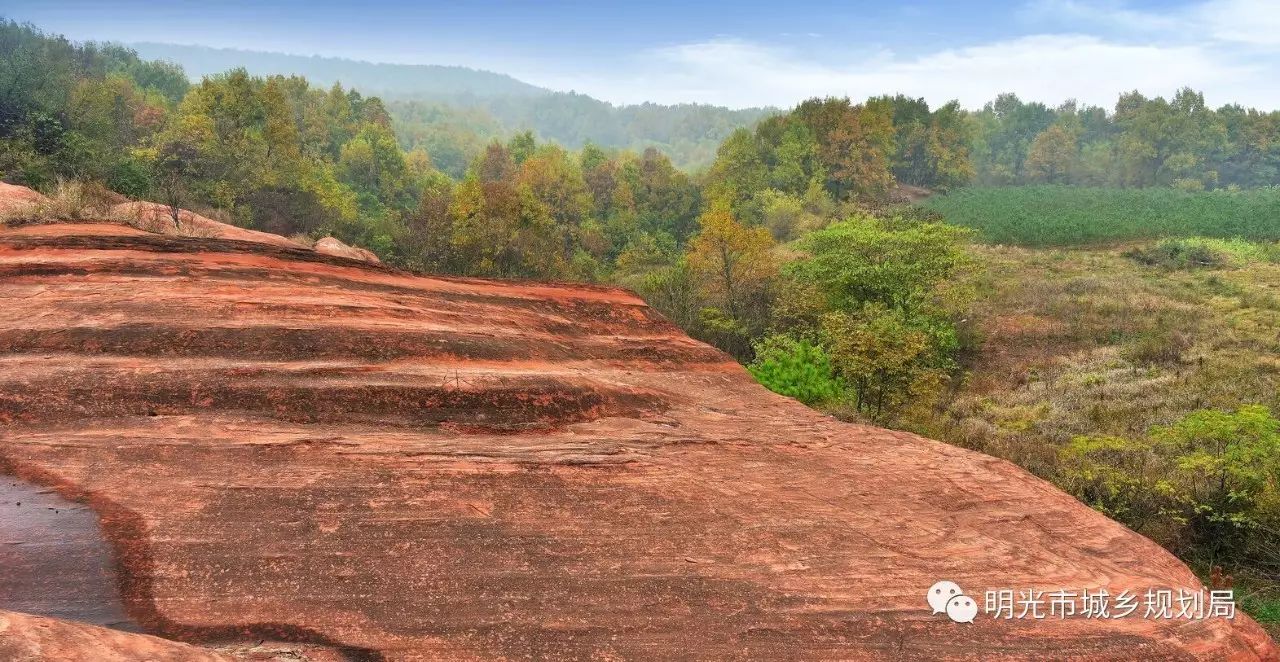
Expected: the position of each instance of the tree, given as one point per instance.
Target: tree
(865, 260)
(280, 133)
(733, 262)
(484, 213)
(858, 154)
(665, 199)
(522, 146)
(429, 228)
(556, 182)
(888, 358)
(372, 163)
(1054, 156)
(883, 298)
(176, 164)
(947, 149)
(738, 172)
(734, 269)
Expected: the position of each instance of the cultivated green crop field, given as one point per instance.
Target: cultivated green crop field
(1070, 215)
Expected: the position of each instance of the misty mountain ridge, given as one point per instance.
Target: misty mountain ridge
(391, 81)
(452, 111)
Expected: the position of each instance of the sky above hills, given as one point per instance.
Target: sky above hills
(749, 53)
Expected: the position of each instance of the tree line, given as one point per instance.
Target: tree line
(753, 254)
(1179, 142)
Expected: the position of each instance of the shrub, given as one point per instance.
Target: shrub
(1224, 465)
(1114, 476)
(887, 357)
(1179, 254)
(130, 177)
(884, 296)
(1209, 482)
(70, 200)
(718, 327)
(1159, 346)
(1194, 252)
(794, 368)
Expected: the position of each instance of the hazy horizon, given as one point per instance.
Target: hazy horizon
(751, 55)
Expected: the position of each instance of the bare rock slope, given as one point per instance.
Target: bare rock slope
(281, 444)
(26, 638)
(14, 198)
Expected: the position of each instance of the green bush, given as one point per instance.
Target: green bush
(1204, 252)
(888, 357)
(882, 296)
(794, 368)
(1262, 610)
(1207, 485)
(130, 177)
(1178, 254)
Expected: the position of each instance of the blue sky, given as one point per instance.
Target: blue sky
(750, 53)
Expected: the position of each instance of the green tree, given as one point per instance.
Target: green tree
(865, 260)
(883, 297)
(738, 172)
(888, 357)
(1053, 157)
(732, 261)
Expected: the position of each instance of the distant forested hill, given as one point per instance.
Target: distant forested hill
(418, 81)
(454, 133)
(452, 112)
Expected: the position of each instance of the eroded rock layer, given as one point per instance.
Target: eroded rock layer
(27, 638)
(285, 445)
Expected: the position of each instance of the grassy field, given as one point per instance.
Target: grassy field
(1101, 341)
(1069, 215)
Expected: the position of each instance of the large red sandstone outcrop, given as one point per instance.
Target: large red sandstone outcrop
(285, 445)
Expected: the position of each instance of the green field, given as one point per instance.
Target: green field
(1070, 215)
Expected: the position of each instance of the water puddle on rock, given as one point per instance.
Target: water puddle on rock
(54, 560)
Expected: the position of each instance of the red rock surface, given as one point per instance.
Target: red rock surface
(285, 445)
(13, 197)
(156, 217)
(331, 246)
(26, 638)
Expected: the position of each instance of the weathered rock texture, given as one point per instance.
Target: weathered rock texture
(14, 198)
(331, 246)
(27, 638)
(285, 445)
(158, 218)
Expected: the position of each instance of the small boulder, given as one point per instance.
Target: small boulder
(331, 246)
(155, 217)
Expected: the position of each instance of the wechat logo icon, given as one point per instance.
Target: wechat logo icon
(947, 597)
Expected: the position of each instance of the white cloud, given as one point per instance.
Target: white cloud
(1244, 22)
(1049, 68)
(1252, 22)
